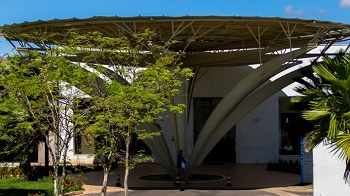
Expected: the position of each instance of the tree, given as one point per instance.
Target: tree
(17, 139)
(327, 93)
(40, 89)
(128, 82)
(143, 74)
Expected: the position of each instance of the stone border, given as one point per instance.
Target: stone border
(75, 193)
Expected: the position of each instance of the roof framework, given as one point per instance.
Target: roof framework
(240, 36)
(209, 41)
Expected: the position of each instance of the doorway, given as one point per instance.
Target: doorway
(225, 149)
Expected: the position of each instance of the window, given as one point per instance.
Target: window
(292, 127)
(81, 145)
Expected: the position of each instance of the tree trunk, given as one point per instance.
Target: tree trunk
(56, 180)
(63, 181)
(64, 170)
(47, 154)
(55, 162)
(127, 143)
(105, 179)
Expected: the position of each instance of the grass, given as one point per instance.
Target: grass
(21, 187)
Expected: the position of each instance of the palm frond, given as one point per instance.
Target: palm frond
(314, 138)
(341, 147)
(324, 72)
(327, 92)
(314, 114)
(346, 175)
(333, 126)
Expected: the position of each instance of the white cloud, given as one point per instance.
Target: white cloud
(322, 10)
(290, 11)
(345, 3)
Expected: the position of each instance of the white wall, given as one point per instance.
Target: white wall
(78, 159)
(328, 173)
(217, 82)
(257, 134)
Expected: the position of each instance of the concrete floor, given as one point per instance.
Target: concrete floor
(252, 179)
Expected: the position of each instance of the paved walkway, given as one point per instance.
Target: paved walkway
(246, 179)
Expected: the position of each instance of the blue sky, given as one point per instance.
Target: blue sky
(17, 11)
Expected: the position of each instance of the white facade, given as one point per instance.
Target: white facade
(257, 134)
(257, 138)
(328, 173)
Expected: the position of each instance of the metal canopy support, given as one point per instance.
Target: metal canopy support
(289, 33)
(228, 104)
(321, 31)
(243, 108)
(108, 33)
(13, 45)
(257, 39)
(160, 149)
(178, 30)
(126, 28)
(207, 32)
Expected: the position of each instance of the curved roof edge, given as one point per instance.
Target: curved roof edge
(164, 18)
(196, 33)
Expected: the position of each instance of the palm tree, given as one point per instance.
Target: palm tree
(327, 94)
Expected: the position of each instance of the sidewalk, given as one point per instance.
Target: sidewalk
(243, 177)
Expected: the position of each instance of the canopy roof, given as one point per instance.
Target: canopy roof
(198, 33)
(240, 36)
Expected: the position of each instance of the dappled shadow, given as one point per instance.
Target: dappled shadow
(23, 192)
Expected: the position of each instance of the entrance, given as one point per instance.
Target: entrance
(292, 127)
(224, 150)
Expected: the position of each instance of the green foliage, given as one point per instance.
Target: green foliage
(138, 157)
(145, 75)
(128, 81)
(72, 184)
(43, 186)
(31, 92)
(329, 105)
(37, 93)
(140, 78)
(10, 172)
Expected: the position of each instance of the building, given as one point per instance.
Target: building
(237, 101)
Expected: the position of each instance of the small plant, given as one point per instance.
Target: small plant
(51, 175)
(80, 180)
(2, 172)
(285, 166)
(17, 172)
(73, 184)
(10, 172)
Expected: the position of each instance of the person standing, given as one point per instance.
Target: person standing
(181, 166)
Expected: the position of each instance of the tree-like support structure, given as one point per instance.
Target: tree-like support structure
(274, 44)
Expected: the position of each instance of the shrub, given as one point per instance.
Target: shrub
(73, 184)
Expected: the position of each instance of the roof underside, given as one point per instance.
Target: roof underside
(196, 34)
